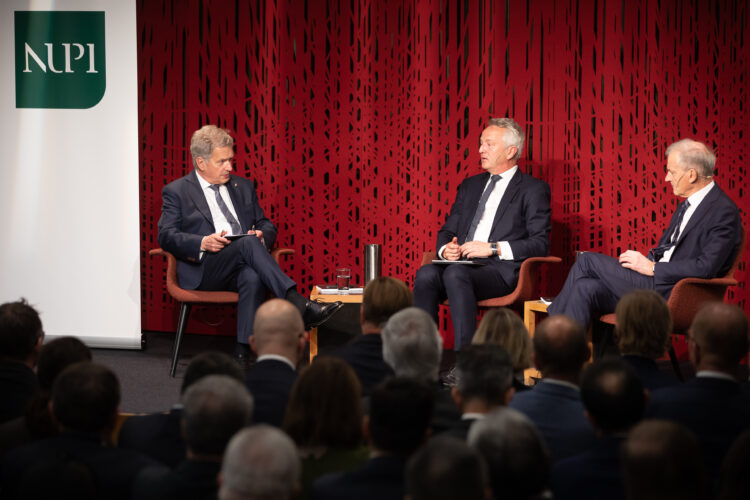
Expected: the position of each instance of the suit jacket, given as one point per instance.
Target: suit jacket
(157, 436)
(592, 475)
(381, 478)
(18, 384)
(715, 409)
(365, 355)
(270, 382)
(648, 372)
(191, 480)
(522, 219)
(706, 248)
(186, 219)
(114, 469)
(557, 412)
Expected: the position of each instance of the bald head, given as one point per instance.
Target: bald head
(560, 347)
(277, 329)
(719, 331)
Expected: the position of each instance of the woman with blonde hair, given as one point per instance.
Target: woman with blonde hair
(504, 327)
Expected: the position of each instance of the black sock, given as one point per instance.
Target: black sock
(293, 296)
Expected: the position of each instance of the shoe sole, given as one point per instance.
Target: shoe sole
(315, 325)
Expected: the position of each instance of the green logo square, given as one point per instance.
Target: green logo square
(60, 59)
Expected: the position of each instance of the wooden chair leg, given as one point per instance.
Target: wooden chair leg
(181, 325)
(675, 364)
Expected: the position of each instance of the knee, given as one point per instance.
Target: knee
(427, 276)
(455, 274)
(251, 244)
(247, 277)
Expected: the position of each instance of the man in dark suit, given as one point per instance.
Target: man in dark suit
(382, 298)
(216, 407)
(85, 399)
(614, 399)
(206, 207)
(554, 404)
(159, 435)
(21, 339)
(701, 241)
(279, 340)
(499, 218)
(711, 404)
(398, 423)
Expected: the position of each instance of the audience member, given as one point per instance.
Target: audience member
(484, 381)
(412, 347)
(260, 463)
(324, 418)
(37, 423)
(517, 460)
(661, 461)
(278, 339)
(711, 404)
(735, 480)
(382, 298)
(554, 404)
(614, 399)
(644, 326)
(215, 408)
(446, 468)
(158, 435)
(503, 327)
(85, 400)
(21, 337)
(399, 420)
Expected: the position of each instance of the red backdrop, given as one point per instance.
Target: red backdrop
(358, 119)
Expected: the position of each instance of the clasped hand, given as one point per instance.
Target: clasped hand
(469, 250)
(630, 259)
(216, 241)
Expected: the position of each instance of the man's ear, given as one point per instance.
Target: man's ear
(457, 397)
(511, 152)
(509, 395)
(200, 163)
(251, 341)
(366, 428)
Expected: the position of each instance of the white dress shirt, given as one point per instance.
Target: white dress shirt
(220, 222)
(694, 200)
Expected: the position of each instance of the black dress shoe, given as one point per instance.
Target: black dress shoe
(316, 313)
(243, 355)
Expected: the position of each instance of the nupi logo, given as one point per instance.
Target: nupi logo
(60, 59)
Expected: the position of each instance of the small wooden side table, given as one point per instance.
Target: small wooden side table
(314, 295)
(533, 312)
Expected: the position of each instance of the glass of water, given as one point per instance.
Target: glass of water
(343, 275)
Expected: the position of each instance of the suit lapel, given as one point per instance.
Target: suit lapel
(472, 202)
(196, 194)
(510, 192)
(700, 213)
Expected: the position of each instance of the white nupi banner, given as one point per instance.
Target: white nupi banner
(69, 176)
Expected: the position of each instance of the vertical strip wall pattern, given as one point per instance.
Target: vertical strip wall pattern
(358, 119)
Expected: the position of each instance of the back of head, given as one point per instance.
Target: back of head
(383, 297)
(560, 346)
(260, 463)
(720, 330)
(278, 328)
(484, 372)
(324, 407)
(400, 414)
(517, 460)
(215, 408)
(211, 363)
(693, 154)
(446, 469)
(57, 355)
(661, 460)
(612, 395)
(85, 397)
(735, 481)
(20, 330)
(412, 345)
(503, 327)
(643, 324)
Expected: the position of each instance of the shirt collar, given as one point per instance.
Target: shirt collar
(714, 374)
(203, 182)
(563, 383)
(277, 357)
(697, 197)
(508, 174)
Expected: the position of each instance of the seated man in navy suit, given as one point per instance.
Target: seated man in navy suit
(499, 218)
(206, 206)
(702, 241)
(279, 340)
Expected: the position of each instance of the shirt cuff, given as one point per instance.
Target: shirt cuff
(440, 252)
(505, 252)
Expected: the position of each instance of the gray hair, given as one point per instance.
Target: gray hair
(515, 452)
(215, 407)
(412, 345)
(206, 139)
(261, 462)
(694, 154)
(514, 135)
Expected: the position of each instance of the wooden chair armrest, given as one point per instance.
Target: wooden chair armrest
(427, 258)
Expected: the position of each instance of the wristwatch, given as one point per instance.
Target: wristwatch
(493, 248)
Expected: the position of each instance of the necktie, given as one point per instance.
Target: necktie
(656, 253)
(225, 210)
(480, 207)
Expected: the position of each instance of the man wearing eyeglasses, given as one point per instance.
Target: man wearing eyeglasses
(702, 241)
(212, 223)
